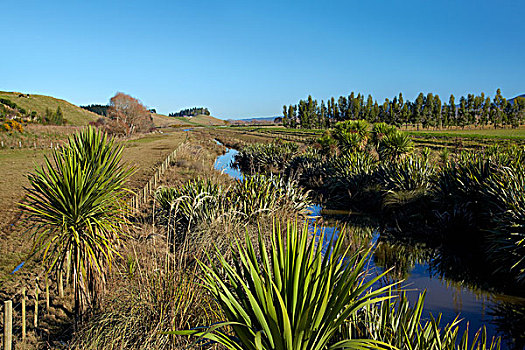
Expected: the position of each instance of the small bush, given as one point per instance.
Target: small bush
(11, 125)
(269, 157)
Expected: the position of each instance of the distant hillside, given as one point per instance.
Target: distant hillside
(254, 121)
(38, 103)
(262, 119)
(161, 120)
(202, 119)
(511, 101)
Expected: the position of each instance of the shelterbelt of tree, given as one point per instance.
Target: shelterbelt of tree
(426, 111)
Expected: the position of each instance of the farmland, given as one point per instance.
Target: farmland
(217, 220)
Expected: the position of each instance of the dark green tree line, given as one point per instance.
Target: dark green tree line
(426, 111)
(190, 112)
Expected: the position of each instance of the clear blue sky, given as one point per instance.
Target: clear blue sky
(248, 58)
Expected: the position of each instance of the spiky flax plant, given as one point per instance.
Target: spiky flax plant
(77, 202)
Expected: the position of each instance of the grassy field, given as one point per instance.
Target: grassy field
(510, 134)
(74, 114)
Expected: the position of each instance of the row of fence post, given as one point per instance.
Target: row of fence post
(8, 311)
(34, 145)
(137, 200)
(141, 196)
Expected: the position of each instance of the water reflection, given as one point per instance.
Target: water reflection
(223, 163)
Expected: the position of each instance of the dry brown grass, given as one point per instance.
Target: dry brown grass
(163, 121)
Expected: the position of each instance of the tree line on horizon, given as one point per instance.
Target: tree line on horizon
(97, 108)
(426, 111)
(190, 112)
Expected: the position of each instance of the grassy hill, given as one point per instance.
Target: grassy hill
(161, 120)
(202, 120)
(74, 114)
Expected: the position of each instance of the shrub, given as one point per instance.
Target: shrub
(12, 125)
(394, 145)
(327, 143)
(351, 135)
(506, 240)
(77, 202)
(397, 323)
(259, 157)
(410, 173)
(259, 194)
(350, 176)
(292, 297)
(197, 201)
(309, 168)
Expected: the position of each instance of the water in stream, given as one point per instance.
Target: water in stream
(420, 269)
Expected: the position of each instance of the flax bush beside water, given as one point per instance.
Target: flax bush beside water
(288, 295)
(468, 197)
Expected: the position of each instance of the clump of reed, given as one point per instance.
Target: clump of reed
(202, 201)
(261, 157)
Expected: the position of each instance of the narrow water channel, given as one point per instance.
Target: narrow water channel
(419, 267)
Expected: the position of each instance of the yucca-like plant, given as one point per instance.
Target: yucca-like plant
(327, 143)
(379, 131)
(259, 194)
(353, 126)
(259, 157)
(351, 135)
(290, 296)
(394, 145)
(77, 202)
(410, 173)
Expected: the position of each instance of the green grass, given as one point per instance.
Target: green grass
(513, 134)
(74, 114)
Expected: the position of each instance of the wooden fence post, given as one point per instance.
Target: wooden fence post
(23, 313)
(8, 325)
(47, 294)
(35, 321)
(68, 268)
(61, 283)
